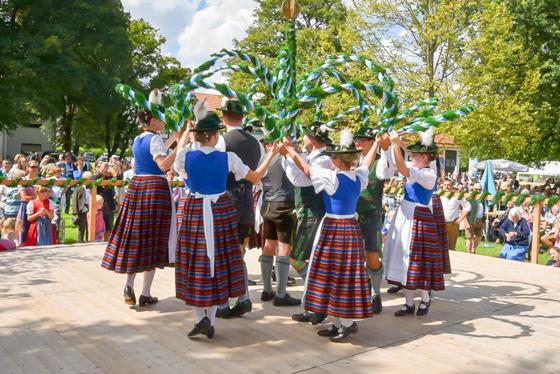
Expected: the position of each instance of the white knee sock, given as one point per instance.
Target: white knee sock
(425, 296)
(200, 313)
(148, 279)
(409, 297)
(130, 280)
(337, 322)
(346, 322)
(211, 314)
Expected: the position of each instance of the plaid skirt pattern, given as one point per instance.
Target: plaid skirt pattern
(139, 240)
(193, 282)
(425, 268)
(337, 281)
(437, 208)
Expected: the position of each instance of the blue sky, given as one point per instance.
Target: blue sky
(195, 28)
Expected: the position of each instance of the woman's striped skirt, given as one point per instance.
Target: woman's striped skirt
(337, 282)
(193, 282)
(426, 258)
(437, 208)
(139, 240)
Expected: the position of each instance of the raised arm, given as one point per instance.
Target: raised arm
(397, 155)
(255, 176)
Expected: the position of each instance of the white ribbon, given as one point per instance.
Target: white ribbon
(316, 241)
(208, 219)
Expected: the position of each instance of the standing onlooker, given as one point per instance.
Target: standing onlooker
(81, 167)
(454, 211)
(80, 202)
(6, 167)
(68, 167)
(20, 164)
(99, 220)
(108, 194)
(32, 170)
(475, 221)
(40, 213)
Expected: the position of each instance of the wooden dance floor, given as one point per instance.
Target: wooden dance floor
(60, 312)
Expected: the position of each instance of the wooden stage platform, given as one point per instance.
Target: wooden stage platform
(60, 312)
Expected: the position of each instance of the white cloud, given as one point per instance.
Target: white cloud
(214, 28)
(169, 16)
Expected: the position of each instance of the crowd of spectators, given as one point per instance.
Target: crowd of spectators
(32, 216)
(502, 223)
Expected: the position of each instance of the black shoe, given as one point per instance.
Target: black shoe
(394, 289)
(129, 297)
(317, 318)
(251, 282)
(224, 313)
(287, 300)
(291, 282)
(376, 304)
(267, 296)
(404, 311)
(302, 317)
(331, 331)
(344, 332)
(241, 308)
(202, 327)
(423, 311)
(147, 300)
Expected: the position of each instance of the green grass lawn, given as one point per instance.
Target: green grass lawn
(493, 250)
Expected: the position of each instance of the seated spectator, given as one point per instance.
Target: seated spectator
(554, 253)
(516, 232)
(40, 213)
(551, 218)
(10, 235)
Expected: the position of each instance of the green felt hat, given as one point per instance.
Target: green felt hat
(232, 106)
(319, 131)
(209, 123)
(418, 147)
(346, 144)
(366, 132)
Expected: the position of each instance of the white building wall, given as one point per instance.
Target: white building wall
(23, 139)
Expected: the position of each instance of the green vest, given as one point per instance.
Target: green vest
(371, 198)
(307, 199)
(471, 218)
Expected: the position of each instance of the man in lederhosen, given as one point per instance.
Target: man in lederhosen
(370, 208)
(309, 205)
(279, 223)
(252, 153)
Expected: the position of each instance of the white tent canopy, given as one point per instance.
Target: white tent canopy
(550, 168)
(504, 166)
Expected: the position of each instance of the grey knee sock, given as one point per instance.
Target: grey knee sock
(303, 272)
(282, 270)
(244, 297)
(266, 272)
(375, 277)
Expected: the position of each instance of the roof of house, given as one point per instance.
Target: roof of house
(213, 101)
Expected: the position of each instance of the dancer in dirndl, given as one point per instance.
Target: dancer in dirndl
(209, 268)
(337, 282)
(413, 252)
(144, 236)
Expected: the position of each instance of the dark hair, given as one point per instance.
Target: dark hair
(204, 136)
(144, 117)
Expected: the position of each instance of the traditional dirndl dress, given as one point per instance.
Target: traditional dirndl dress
(413, 252)
(437, 209)
(209, 267)
(41, 231)
(144, 236)
(337, 283)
